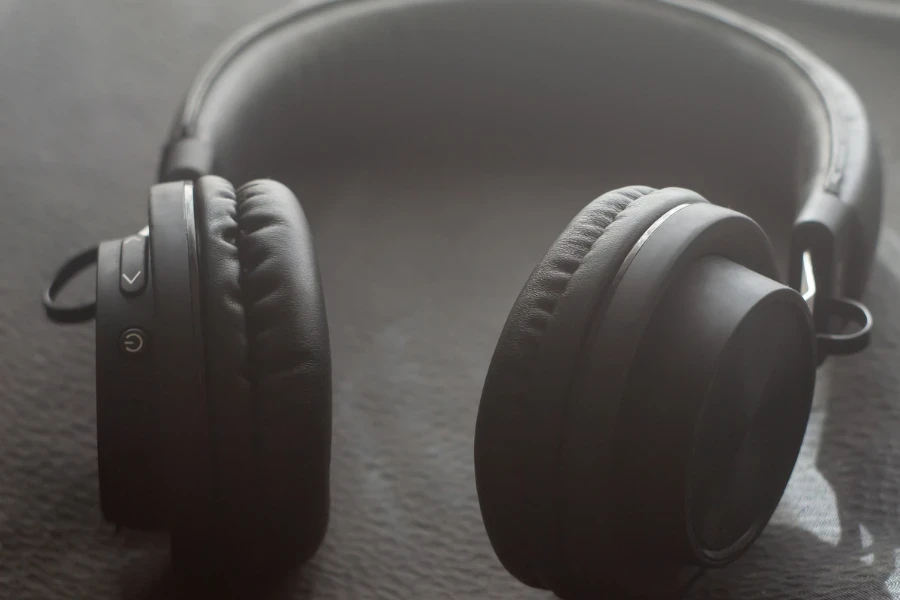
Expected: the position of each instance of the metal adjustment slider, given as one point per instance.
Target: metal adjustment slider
(839, 314)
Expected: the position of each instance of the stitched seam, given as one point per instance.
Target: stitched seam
(241, 295)
(248, 375)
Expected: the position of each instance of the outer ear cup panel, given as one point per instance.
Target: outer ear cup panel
(523, 404)
(269, 369)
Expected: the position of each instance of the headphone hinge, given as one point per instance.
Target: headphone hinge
(185, 159)
(832, 314)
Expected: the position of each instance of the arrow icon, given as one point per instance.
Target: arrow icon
(133, 238)
(130, 280)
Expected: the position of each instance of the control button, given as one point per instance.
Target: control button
(133, 267)
(133, 342)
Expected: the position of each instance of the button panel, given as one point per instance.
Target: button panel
(133, 267)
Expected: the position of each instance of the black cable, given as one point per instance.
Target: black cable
(70, 314)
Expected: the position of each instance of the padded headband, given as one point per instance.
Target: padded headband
(661, 92)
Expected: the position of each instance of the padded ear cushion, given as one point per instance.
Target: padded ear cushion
(268, 371)
(523, 404)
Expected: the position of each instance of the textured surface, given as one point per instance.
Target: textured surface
(518, 422)
(415, 305)
(527, 402)
(268, 370)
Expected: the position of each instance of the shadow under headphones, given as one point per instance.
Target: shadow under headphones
(655, 313)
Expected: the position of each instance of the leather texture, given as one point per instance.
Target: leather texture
(421, 258)
(268, 378)
(524, 401)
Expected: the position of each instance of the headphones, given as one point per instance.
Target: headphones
(649, 393)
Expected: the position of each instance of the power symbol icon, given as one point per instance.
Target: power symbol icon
(133, 342)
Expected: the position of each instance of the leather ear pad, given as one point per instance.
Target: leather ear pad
(268, 371)
(524, 401)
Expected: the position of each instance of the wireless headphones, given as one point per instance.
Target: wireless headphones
(649, 392)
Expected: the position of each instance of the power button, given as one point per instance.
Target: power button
(133, 342)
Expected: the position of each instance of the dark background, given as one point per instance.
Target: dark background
(87, 90)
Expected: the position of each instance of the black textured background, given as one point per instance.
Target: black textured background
(87, 88)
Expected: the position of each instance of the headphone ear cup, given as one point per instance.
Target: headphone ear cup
(523, 404)
(655, 317)
(268, 366)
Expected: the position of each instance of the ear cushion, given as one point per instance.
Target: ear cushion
(523, 403)
(268, 371)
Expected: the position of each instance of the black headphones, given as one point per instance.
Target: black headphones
(656, 315)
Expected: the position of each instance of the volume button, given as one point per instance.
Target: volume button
(133, 266)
